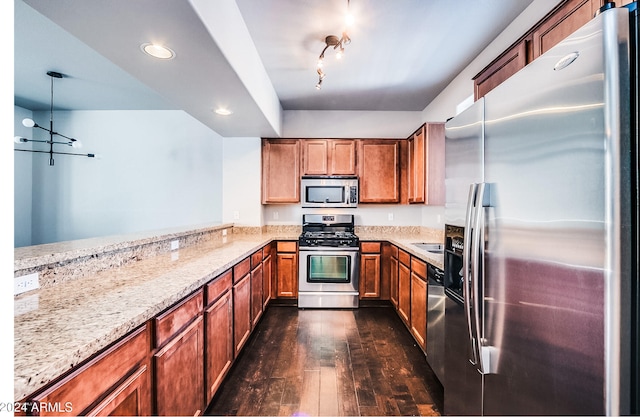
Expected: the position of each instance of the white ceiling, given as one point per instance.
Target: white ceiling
(257, 57)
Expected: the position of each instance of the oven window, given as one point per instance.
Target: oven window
(328, 268)
(325, 194)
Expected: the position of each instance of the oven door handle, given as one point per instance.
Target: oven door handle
(330, 249)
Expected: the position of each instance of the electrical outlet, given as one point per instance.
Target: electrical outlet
(26, 304)
(175, 244)
(25, 283)
(275, 215)
(390, 217)
(236, 215)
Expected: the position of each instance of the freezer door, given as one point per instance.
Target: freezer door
(549, 130)
(463, 160)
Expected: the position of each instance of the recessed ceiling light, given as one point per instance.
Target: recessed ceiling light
(223, 112)
(157, 51)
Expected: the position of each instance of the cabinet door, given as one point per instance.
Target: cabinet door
(179, 379)
(370, 275)
(219, 342)
(130, 398)
(393, 273)
(566, 20)
(416, 166)
(241, 312)
(267, 272)
(280, 171)
(419, 309)
(256, 294)
(404, 292)
(287, 275)
(434, 169)
(315, 157)
(342, 157)
(98, 377)
(379, 166)
(510, 62)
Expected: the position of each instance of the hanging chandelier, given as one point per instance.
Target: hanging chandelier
(338, 45)
(68, 142)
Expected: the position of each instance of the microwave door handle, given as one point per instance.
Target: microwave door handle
(467, 272)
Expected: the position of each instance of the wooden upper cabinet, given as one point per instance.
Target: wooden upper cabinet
(280, 171)
(563, 22)
(328, 157)
(379, 167)
(315, 157)
(416, 166)
(342, 157)
(510, 62)
(426, 165)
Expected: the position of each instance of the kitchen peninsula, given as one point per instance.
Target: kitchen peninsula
(95, 294)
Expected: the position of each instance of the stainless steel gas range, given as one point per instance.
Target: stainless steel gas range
(329, 262)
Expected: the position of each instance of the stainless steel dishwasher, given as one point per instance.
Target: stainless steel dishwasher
(435, 320)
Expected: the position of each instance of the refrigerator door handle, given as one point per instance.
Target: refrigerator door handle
(478, 262)
(467, 271)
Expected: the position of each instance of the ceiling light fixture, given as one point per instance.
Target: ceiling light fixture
(223, 111)
(69, 142)
(338, 45)
(157, 51)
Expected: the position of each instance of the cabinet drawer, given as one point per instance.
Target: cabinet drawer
(218, 286)
(370, 247)
(393, 251)
(241, 269)
(286, 246)
(266, 251)
(170, 322)
(97, 377)
(404, 257)
(419, 268)
(256, 258)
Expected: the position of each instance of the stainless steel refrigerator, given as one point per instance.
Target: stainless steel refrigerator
(541, 270)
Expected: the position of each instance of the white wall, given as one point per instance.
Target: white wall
(444, 105)
(241, 181)
(158, 169)
(350, 124)
(22, 181)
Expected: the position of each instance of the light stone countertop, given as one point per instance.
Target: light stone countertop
(56, 328)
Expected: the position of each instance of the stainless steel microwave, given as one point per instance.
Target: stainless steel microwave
(329, 191)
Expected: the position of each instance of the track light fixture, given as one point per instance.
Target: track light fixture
(69, 141)
(338, 45)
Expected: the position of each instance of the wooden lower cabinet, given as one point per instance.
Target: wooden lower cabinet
(393, 277)
(419, 309)
(404, 292)
(286, 270)
(241, 312)
(119, 377)
(257, 277)
(218, 320)
(267, 278)
(179, 376)
(130, 398)
(370, 271)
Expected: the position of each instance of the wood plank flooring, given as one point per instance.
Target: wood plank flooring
(329, 363)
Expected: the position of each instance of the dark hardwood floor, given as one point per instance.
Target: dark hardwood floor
(329, 363)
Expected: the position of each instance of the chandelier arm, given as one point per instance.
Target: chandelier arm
(89, 155)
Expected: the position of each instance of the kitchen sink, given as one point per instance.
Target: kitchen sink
(430, 247)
